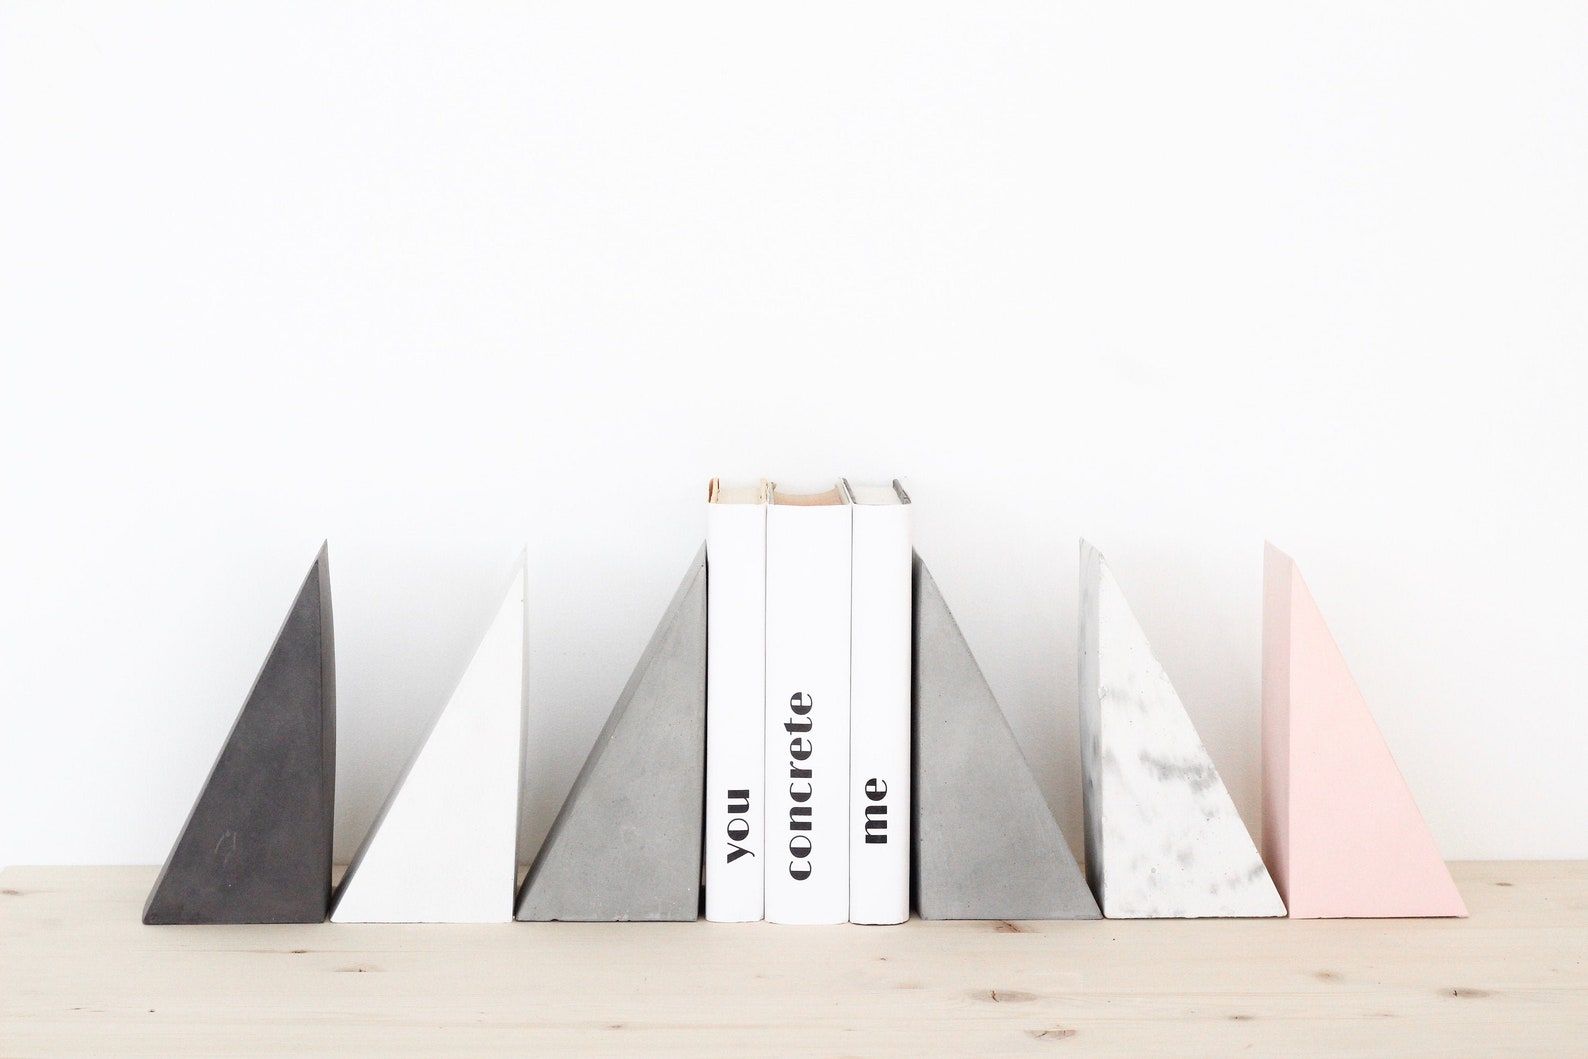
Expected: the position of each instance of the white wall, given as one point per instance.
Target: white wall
(436, 281)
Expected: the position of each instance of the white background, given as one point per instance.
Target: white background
(439, 281)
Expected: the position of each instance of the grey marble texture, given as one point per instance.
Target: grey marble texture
(256, 847)
(626, 844)
(1163, 839)
(986, 845)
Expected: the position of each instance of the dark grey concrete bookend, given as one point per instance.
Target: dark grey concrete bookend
(986, 845)
(626, 844)
(257, 846)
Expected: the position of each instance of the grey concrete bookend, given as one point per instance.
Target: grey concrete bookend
(986, 845)
(626, 844)
(257, 846)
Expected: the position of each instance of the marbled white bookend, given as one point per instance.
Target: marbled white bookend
(986, 845)
(626, 843)
(1163, 839)
(1340, 828)
(257, 846)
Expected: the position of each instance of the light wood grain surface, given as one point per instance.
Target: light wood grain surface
(80, 975)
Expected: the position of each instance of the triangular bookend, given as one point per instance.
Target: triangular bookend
(1340, 828)
(986, 845)
(1163, 839)
(443, 849)
(626, 843)
(256, 847)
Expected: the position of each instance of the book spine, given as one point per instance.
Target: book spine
(735, 710)
(807, 714)
(880, 723)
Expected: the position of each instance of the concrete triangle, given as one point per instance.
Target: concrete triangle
(1340, 828)
(1163, 839)
(256, 847)
(443, 848)
(986, 844)
(626, 843)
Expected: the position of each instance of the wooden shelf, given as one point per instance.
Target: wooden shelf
(80, 975)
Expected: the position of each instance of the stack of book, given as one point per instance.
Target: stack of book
(808, 704)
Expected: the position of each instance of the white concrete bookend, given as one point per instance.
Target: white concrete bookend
(626, 843)
(1163, 839)
(444, 847)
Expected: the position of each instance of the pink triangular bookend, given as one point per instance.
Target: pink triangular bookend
(1342, 834)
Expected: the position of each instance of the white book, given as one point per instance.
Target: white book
(879, 708)
(735, 700)
(807, 707)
